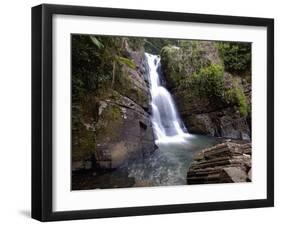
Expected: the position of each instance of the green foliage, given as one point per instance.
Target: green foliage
(95, 59)
(126, 61)
(180, 62)
(92, 74)
(100, 66)
(123, 83)
(236, 56)
(83, 138)
(96, 42)
(154, 45)
(237, 97)
(95, 63)
(88, 69)
(208, 82)
(194, 55)
(188, 67)
(173, 64)
(109, 122)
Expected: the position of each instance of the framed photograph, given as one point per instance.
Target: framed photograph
(146, 112)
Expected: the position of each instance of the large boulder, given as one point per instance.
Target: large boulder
(124, 132)
(228, 162)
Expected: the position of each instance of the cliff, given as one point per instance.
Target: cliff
(211, 84)
(110, 120)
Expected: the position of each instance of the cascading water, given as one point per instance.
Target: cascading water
(168, 164)
(167, 125)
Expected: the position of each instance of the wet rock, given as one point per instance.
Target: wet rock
(228, 162)
(201, 124)
(225, 123)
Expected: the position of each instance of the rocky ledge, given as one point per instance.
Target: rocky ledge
(228, 162)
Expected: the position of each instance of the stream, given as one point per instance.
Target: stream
(169, 163)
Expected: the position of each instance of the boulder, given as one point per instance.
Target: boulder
(228, 162)
(124, 132)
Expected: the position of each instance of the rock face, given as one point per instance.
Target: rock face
(223, 123)
(193, 82)
(126, 136)
(119, 119)
(216, 118)
(227, 162)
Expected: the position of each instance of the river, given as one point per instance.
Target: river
(169, 163)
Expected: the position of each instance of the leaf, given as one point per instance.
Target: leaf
(96, 42)
(126, 61)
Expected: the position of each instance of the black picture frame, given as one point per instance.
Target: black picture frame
(42, 111)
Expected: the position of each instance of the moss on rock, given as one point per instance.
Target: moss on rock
(109, 121)
(237, 97)
(85, 146)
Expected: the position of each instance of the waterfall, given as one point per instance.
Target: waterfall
(167, 126)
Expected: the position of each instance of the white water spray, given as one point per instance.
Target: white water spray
(167, 125)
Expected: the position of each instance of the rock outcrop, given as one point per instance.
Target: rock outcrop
(226, 123)
(117, 118)
(210, 100)
(128, 135)
(227, 162)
